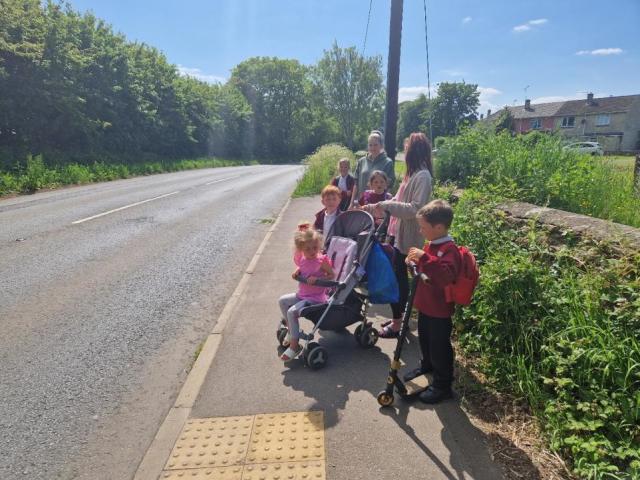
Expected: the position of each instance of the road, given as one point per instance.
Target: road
(106, 292)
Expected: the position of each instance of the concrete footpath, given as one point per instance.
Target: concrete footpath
(289, 422)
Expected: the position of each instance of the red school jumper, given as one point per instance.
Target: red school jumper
(441, 263)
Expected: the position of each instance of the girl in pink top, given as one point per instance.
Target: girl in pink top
(312, 264)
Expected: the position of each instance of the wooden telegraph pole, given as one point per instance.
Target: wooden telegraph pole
(393, 78)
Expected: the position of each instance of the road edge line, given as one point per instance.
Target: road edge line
(155, 458)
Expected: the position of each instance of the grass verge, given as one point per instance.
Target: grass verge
(322, 166)
(36, 175)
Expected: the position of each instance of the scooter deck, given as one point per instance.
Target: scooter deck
(417, 385)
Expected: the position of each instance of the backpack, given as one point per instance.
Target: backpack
(461, 291)
(382, 284)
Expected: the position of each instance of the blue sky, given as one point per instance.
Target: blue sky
(555, 49)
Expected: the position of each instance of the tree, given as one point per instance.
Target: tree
(413, 117)
(456, 104)
(352, 89)
(275, 89)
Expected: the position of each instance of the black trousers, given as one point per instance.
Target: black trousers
(437, 353)
(400, 268)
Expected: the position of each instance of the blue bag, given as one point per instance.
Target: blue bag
(381, 279)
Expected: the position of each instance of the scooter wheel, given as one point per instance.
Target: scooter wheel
(315, 356)
(384, 399)
(281, 334)
(368, 337)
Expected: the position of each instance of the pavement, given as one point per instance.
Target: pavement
(243, 414)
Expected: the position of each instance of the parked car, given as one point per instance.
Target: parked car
(591, 148)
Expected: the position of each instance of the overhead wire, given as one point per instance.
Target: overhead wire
(366, 32)
(426, 42)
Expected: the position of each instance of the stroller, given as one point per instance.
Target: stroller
(348, 245)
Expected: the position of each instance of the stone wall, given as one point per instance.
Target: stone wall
(602, 230)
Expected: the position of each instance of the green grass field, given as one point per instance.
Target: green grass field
(620, 162)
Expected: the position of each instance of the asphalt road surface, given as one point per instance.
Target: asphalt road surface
(106, 292)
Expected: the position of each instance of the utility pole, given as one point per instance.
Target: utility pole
(393, 78)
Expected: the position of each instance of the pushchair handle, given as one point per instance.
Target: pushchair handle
(320, 282)
(413, 268)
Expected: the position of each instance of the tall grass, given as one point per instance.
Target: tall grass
(557, 322)
(537, 169)
(35, 175)
(322, 166)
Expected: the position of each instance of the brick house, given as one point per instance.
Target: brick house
(612, 121)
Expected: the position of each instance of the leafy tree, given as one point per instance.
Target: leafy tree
(411, 118)
(275, 89)
(352, 89)
(455, 105)
(505, 121)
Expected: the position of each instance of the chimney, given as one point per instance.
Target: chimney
(488, 113)
(527, 104)
(590, 98)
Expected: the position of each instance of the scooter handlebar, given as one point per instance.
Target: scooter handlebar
(413, 268)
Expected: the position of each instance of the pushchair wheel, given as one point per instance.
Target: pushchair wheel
(281, 334)
(366, 336)
(384, 399)
(315, 356)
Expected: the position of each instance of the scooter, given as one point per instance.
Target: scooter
(419, 384)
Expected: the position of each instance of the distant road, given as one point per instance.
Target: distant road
(106, 292)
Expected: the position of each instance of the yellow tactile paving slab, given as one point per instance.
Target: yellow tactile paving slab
(285, 471)
(287, 437)
(211, 442)
(223, 473)
(278, 446)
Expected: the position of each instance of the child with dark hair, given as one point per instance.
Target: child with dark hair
(440, 260)
(378, 183)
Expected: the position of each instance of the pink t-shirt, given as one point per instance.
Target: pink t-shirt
(311, 268)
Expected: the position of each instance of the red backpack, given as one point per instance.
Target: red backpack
(461, 291)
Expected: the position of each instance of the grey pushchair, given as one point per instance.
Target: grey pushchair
(348, 244)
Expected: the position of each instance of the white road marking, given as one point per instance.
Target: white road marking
(222, 180)
(122, 208)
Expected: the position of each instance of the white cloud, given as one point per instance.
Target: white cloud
(527, 26)
(197, 74)
(466, 20)
(486, 99)
(521, 28)
(411, 93)
(601, 51)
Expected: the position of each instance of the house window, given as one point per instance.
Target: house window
(536, 124)
(568, 122)
(602, 120)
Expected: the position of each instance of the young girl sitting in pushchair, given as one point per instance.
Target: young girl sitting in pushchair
(312, 264)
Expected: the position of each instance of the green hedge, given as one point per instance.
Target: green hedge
(557, 321)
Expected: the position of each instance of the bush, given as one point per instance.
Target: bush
(322, 165)
(559, 327)
(538, 170)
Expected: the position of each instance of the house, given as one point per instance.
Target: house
(612, 121)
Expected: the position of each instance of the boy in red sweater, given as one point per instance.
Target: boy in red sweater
(440, 261)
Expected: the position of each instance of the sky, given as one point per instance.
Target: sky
(544, 50)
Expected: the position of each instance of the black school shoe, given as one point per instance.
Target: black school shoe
(435, 395)
(415, 373)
